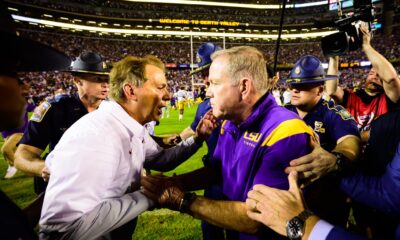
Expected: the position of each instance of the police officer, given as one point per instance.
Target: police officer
(215, 192)
(52, 118)
(338, 134)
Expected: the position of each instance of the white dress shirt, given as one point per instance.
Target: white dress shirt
(96, 159)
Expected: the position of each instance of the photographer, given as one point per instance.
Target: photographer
(381, 92)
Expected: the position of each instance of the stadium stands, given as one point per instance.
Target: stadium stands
(174, 51)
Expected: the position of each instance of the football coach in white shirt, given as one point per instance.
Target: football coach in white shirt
(96, 167)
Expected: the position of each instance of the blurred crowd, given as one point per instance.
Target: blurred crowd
(49, 84)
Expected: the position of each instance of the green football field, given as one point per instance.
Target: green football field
(156, 224)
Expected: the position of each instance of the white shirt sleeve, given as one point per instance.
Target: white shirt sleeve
(320, 230)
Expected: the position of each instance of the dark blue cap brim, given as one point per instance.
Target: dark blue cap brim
(310, 80)
(199, 69)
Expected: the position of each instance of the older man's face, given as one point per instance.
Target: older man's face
(12, 103)
(152, 96)
(224, 96)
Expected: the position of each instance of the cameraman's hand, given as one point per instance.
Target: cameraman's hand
(366, 34)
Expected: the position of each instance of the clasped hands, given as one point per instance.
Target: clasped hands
(165, 191)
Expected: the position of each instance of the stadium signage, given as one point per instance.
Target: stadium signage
(183, 65)
(199, 22)
(170, 65)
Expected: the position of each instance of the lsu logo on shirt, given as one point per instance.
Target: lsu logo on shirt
(252, 138)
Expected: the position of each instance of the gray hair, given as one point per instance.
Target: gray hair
(130, 70)
(245, 61)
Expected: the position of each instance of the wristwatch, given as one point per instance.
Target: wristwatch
(295, 226)
(186, 201)
(341, 161)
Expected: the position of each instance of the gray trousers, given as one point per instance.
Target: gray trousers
(99, 222)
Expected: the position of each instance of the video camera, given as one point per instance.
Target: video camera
(349, 37)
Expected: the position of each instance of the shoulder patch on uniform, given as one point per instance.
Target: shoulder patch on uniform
(344, 114)
(40, 111)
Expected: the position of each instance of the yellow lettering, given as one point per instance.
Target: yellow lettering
(254, 137)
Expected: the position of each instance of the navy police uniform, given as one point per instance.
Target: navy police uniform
(203, 57)
(202, 109)
(49, 122)
(215, 191)
(330, 122)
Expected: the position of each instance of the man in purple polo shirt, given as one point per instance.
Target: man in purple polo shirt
(256, 143)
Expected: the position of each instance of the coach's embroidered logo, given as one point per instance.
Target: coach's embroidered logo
(254, 137)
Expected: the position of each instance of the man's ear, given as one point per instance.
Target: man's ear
(78, 81)
(245, 86)
(321, 90)
(130, 91)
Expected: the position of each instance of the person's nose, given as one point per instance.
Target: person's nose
(294, 89)
(209, 92)
(166, 95)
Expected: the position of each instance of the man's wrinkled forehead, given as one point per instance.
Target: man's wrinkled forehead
(217, 68)
(154, 73)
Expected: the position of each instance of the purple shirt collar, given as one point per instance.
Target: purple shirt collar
(262, 105)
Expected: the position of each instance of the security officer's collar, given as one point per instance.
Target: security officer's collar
(317, 108)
